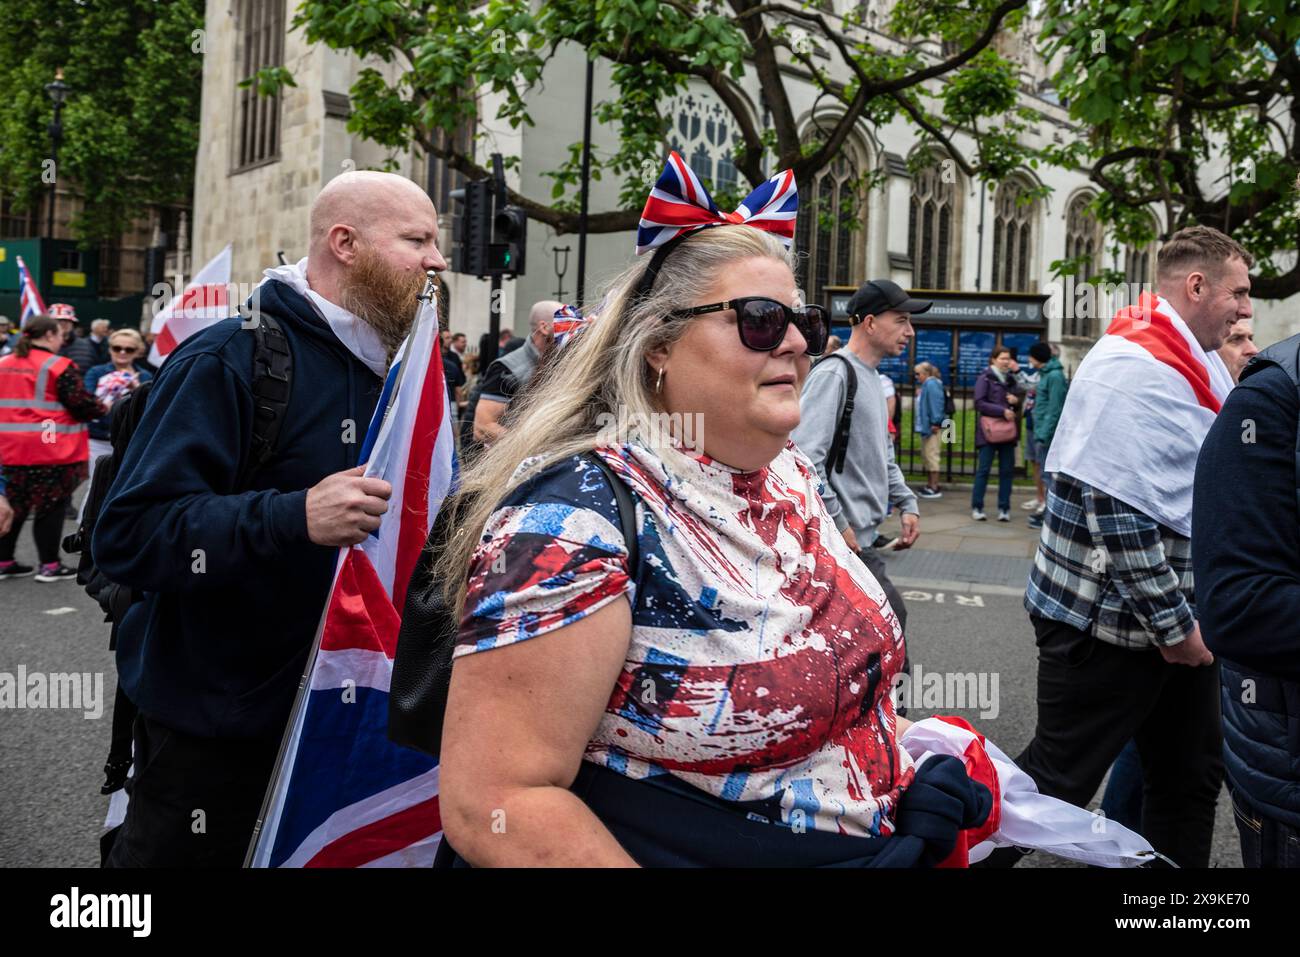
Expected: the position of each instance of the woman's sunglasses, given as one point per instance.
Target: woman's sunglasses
(762, 322)
(130, 350)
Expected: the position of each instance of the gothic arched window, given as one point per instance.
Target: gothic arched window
(1015, 222)
(1082, 244)
(828, 230)
(932, 223)
(1140, 261)
(704, 134)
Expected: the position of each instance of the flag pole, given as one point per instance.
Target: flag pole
(300, 700)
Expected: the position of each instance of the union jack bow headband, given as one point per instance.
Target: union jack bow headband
(679, 205)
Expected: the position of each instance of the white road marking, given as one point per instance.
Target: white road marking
(59, 611)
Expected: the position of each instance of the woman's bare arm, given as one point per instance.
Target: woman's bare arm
(518, 721)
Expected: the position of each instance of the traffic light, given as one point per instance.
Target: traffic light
(509, 242)
(473, 234)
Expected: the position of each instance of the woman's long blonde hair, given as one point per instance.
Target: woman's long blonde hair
(602, 372)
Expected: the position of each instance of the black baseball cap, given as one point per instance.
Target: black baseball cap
(881, 295)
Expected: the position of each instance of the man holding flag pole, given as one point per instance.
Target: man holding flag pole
(231, 531)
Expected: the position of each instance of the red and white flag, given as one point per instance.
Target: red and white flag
(1138, 409)
(201, 303)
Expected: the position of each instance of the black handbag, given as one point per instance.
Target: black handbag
(417, 699)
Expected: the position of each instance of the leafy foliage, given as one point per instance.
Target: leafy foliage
(1192, 109)
(452, 53)
(131, 121)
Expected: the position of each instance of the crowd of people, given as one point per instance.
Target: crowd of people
(690, 697)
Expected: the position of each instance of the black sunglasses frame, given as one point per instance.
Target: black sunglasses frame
(790, 315)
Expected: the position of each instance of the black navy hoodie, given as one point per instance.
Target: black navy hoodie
(234, 587)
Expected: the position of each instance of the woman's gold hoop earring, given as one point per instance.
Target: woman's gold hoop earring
(659, 385)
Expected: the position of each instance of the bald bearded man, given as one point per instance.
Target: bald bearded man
(234, 562)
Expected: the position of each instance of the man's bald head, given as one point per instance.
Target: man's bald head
(363, 218)
(541, 312)
(366, 200)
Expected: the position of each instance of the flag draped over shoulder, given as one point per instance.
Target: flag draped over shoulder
(343, 795)
(201, 303)
(1138, 409)
(30, 302)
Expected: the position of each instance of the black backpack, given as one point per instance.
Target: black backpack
(272, 378)
(840, 444)
(417, 699)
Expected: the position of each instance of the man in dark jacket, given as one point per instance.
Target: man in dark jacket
(1246, 560)
(235, 572)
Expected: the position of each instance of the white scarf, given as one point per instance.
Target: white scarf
(355, 333)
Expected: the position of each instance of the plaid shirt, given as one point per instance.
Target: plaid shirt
(1105, 568)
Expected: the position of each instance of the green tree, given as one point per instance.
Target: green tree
(1191, 108)
(131, 122)
(452, 51)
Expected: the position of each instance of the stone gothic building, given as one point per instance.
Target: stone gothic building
(261, 162)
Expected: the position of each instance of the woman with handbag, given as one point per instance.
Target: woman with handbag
(724, 699)
(996, 433)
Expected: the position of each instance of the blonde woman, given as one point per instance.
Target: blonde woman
(725, 701)
(113, 380)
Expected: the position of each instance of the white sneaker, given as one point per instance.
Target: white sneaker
(979, 516)
(1042, 507)
(1032, 505)
(1004, 515)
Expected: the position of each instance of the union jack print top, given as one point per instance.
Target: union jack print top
(762, 650)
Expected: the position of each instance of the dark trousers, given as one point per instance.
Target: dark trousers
(1093, 697)
(1265, 841)
(47, 528)
(1006, 453)
(876, 565)
(194, 801)
(124, 713)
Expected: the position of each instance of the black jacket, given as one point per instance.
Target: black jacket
(236, 588)
(1246, 559)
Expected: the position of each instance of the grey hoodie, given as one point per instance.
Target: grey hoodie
(871, 479)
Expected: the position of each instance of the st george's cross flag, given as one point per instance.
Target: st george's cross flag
(202, 302)
(30, 302)
(343, 795)
(1020, 815)
(1146, 376)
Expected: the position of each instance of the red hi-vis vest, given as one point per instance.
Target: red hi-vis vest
(35, 428)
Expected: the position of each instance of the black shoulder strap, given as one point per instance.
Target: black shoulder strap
(840, 444)
(272, 379)
(626, 509)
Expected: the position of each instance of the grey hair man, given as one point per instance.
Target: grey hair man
(508, 375)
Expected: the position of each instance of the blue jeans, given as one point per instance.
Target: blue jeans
(1265, 842)
(1122, 801)
(1006, 463)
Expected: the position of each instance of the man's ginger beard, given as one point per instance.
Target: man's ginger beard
(382, 297)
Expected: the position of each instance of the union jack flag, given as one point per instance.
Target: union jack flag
(679, 203)
(343, 794)
(567, 323)
(29, 297)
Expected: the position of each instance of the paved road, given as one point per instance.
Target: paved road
(995, 637)
(50, 761)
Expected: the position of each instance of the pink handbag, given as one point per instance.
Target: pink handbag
(997, 430)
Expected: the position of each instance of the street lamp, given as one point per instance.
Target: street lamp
(58, 92)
